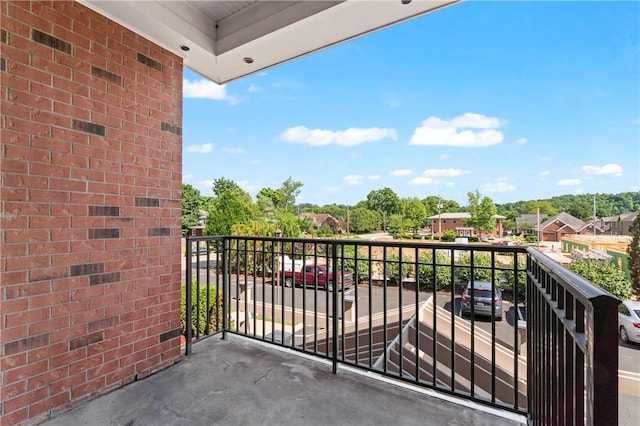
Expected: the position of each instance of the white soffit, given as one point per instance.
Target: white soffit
(230, 39)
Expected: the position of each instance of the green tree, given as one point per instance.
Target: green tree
(384, 201)
(364, 220)
(192, 203)
(221, 185)
(605, 275)
(289, 224)
(394, 225)
(634, 254)
(414, 213)
(270, 199)
(531, 207)
(581, 208)
(232, 205)
(482, 212)
(290, 190)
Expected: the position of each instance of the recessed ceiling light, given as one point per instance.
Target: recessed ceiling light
(248, 60)
(184, 48)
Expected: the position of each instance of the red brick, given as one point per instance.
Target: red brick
(18, 416)
(25, 371)
(120, 375)
(26, 317)
(47, 351)
(68, 383)
(10, 334)
(85, 364)
(46, 405)
(11, 390)
(36, 382)
(48, 325)
(69, 332)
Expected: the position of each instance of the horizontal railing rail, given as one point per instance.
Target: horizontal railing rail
(397, 308)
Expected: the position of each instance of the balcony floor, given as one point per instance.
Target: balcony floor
(241, 382)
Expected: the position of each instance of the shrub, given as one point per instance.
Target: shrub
(449, 235)
(348, 263)
(205, 318)
(393, 268)
(605, 275)
(473, 239)
(426, 274)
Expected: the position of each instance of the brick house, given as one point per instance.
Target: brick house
(617, 225)
(319, 219)
(456, 222)
(555, 228)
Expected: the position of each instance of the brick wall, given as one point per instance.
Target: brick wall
(90, 207)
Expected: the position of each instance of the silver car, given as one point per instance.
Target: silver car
(483, 304)
(629, 321)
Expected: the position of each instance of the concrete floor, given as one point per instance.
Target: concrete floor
(242, 382)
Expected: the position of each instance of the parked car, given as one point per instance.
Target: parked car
(483, 304)
(629, 321)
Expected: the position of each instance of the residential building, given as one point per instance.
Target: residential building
(617, 225)
(562, 224)
(456, 222)
(320, 219)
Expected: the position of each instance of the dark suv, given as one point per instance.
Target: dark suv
(483, 304)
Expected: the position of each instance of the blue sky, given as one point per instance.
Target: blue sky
(518, 100)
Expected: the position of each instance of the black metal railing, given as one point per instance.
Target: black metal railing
(395, 308)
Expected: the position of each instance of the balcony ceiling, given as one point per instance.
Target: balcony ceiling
(226, 40)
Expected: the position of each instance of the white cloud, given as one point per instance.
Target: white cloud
(254, 89)
(206, 89)
(545, 173)
(206, 183)
(423, 180)
(607, 169)
(498, 187)
(568, 182)
(428, 177)
(186, 177)
(444, 156)
(352, 180)
(457, 132)
(373, 177)
(522, 141)
(444, 172)
(401, 172)
(200, 149)
(230, 150)
(450, 184)
(349, 137)
(254, 162)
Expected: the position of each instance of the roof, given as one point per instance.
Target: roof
(459, 215)
(530, 218)
(225, 40)
(567, 219)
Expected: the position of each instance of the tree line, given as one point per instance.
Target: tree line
(232, 210)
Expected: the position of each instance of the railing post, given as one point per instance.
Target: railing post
(188, 295)
(334, 303)
(603, 324)
(226, 291)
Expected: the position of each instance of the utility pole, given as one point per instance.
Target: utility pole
(439, 218)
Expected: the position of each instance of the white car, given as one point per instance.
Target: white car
(629, 321)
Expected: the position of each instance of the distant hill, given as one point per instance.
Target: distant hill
(580, 206)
